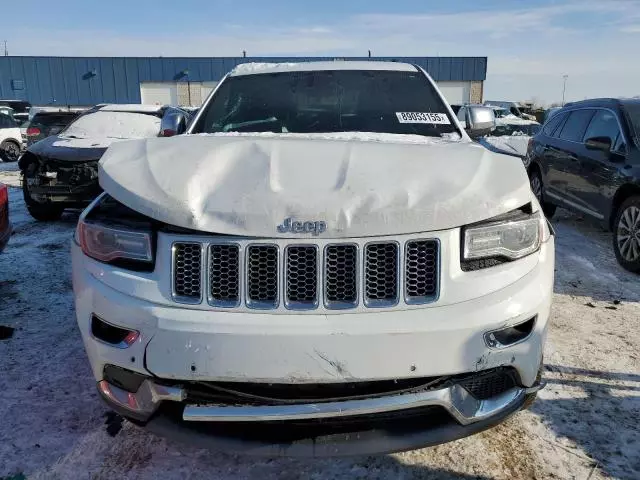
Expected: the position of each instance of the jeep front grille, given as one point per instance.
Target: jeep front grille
(421, 270)
(187, 269)
(307, 275)
(341, 276)
(262, 276)
(301, 276)
(381, 274)
(224, 275)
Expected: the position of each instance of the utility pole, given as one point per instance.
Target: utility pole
(6, 52)
(564, 87)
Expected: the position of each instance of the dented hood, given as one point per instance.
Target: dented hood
(249, 184)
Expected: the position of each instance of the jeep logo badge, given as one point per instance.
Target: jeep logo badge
(293, 226)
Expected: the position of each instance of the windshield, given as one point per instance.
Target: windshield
(114, 125)
(633, 114)
(327, 101)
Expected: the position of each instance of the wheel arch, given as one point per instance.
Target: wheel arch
(625, 191)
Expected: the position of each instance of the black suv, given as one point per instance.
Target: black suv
(45, 124)
(586, 158)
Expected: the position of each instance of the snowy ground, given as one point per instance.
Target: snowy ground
(584, 425)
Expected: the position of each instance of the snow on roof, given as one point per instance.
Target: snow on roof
(131, 107)
(256, 68)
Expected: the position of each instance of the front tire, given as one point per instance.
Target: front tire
(535, 181)
(626, 234)
(43, 212)
(10, 151)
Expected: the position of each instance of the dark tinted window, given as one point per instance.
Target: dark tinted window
(7, 122)
(327, 101)
(632, 112)
(575, 126)
(18, 105)
(553, 123)
(603, 124)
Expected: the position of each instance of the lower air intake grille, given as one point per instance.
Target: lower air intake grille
(490, 383)
(341, 276)
(187, 271)
(381, 274)
(262, 276)
(302, 276)
(421, 271)
(224, 275)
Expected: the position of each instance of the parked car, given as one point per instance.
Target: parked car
(61, 171)
(10, 139)
(325, 264)
(587, 159)
(512, 107)
(45, 124)
(20, 108)
(5, 224)
(510, 135)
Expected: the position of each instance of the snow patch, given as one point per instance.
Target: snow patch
(113, 125)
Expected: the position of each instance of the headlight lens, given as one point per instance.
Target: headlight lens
(512, 238)
(107, 244)
(112, 233)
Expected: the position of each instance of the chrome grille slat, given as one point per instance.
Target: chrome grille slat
(187, 272)
(421, 271)
(301, 276)
(224, 275)
(262, 276)
(240, 274)
(381, 274)
(341, 276)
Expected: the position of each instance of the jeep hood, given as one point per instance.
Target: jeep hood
(248, 184)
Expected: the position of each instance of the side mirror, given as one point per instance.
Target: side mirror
(598, 143)
(173, 123)
(480, 120)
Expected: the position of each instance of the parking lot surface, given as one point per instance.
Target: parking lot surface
(583, 425)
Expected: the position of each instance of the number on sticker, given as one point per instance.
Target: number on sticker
(423, 117)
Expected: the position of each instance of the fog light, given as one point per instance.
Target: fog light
(506, 337)
(117, 337)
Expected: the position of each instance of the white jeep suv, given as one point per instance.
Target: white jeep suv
(325, 264)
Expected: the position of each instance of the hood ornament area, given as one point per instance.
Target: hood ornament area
(294, 226)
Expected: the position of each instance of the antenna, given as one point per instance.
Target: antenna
(369, 53)
(244, 54)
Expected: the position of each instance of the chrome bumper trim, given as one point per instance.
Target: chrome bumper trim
(456, 400)
(460, 404)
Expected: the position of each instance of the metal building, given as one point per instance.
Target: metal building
(83, 81)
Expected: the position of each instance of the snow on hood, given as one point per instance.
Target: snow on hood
(249, 184)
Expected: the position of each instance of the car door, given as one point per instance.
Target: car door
(595, 179)
(565, 150)
(549, 155)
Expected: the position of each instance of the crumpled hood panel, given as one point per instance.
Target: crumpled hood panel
(247, 185)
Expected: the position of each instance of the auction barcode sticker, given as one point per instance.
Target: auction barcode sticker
(422, 117)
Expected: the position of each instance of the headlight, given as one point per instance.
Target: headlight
(513, 237)
(112, 233)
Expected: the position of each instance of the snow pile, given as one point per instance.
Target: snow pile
(258, 67)
(114, 125)
(513, 120)
(346, 137)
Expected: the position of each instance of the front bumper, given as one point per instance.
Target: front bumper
(179, 345)
(422, 418)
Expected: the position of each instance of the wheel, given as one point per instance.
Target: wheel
(535, 180)
(44, 212)
(11, 151)
(626, 234)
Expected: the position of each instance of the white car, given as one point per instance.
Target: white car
(10, 138)
(325, 264)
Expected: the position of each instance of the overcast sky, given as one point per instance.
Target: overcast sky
(529, 46)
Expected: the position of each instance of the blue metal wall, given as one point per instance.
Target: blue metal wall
(91, 80)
